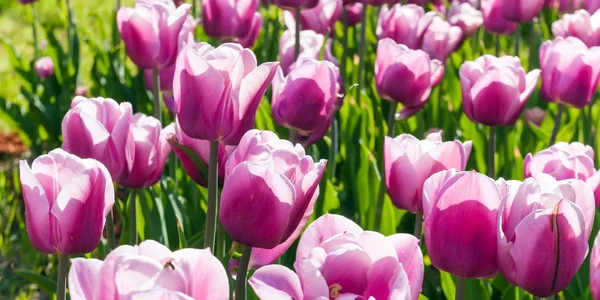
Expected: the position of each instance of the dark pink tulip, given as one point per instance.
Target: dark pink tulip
(269, 187)
(320, 19)
(493, 18)
(521, 10)
(99, 128)
(305, 99)
(353, 13)
(150, 31)
(465, 16)
(293, 4)
(27, 1)
(67, 200)
(581, 25)
(151, 150)
(217, 91)
(44, 67)
(595, 269)
(403, 24)
(495, 90)
(535, 116)
(409, 162)
(568, 5)
(570, 71)
(249, 40)
(310, 47)
(149, 271)
(228, 19)
(192, 152)
(416, 70)
(440, 38)
(543, 230)
(460, 212)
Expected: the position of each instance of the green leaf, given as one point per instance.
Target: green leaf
(448, 286)
(46, 284)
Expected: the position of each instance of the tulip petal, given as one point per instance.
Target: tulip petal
(83, 277)
(37, 210)
(207, 278)
(411, 258)
(276, 282)
(321, 230)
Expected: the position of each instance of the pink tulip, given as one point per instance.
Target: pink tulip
(440, 38)
(382, 267)
(310, 47)
(195, 154)
(460, 212)
(402, 23)
(592, 5)
(99, 128)
(249, 40)
(305, 99)
(521, 10)
(414, 68)
(228, 19)
(150, 152)
(67, 200)
(595, 268)
(82, 91)
(378, 2)
(581, 25)
(27, 1)
(465, 16)
(149, 271)
(150, 31)
(293, 4)
(320, 19)
(495, 90)
(217, 91)
(493, 17)
(354, 13)
(535, 116)
(543, 230)
(570, 71)
(409, 162)
(268, 190)
(567, 5)
(44, 67)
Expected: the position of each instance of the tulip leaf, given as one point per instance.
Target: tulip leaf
(44, 283)
(448, 286)
(200, 165)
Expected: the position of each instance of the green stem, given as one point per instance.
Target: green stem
(297, 42)
(240, 280)
(381, 195)
(330, 175)
(491, 152)
(110, 231)
(156, 93)
(36, 50)
(213, 186)
(556, 124)
(133, 217)
(497, 44)
(61, 280)
(418, 225)
(537, 298)
(517, 40)
(70, 28)
(344, 43)
(293, 135)
(460, 288)
(361, 54)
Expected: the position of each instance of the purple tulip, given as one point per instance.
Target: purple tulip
(228, 19)
(521, 10)
(382, 267)
(495, 90)
(268, 190)
(465, 16)
(568, 5)
(493, 17)
(581, 25)
(217, 91)
(293, 4)
(440, 38)
(67, 200)
(414, 68)
(149, 271)
(460, 212)
(27, 1)
(99, 128)
(409, 162)
(249, 40)
(195, 154)
(44, 67)
(595, 269)
(310, 47)
(592, 5)
(354, 13)
(570, 71)
(534, 116)
(320, 19)
(403, 24)
(150, 31)
(305, 99)
(543, 230)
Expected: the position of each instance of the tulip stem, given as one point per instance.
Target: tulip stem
(344, 43)
(517, 40)
(297, 42)
(70, 27)
(361, 55)
(381, 195)
(133, 217)
(240, 280)
(556, 124)
(156, 93)
(330, 163)
(36, 50)
(460, 288)
(418, 225)
(61, 280)
(491, 152)
(213, 186)
(536, 298)
(497, 44)
(293, 134)
(110, 231)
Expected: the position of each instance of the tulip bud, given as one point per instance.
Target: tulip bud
(570, 71)
(581, 25)
(595, 269)
(403, 24)
(217, 91)
(310, 47)
(67, 200)
(44, 67)
(320, 19)
(417, 71)
(354, 13)
(535, 116)
(440, 38)
(460, 212)
(465, 16)
(293, 4)
(269, 185)
(495, 90)
(521, 10)
(249, 40)
(493, 17)
(150, 31)
(228, 19)
(82, 91)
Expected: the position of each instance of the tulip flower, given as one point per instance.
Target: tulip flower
(82, 91)
(27, 1)
(543, 230)
(568, 5)
(293, 4)
(99, 128)
(440, 38)
(150, 31)
(592, 5)
(522, 11)
(402, 23)
(149, 271)
(67, 200)
(310, 47)
(417, 71)
(534, 116)
(228, 19)
(44, 67)
(249, 40)
(461, 211)
(581, 25)
(465, 16)
(320, 19)
(382, 267)
(493, 17)
(409, 162)
(353, 13)
(595, 268)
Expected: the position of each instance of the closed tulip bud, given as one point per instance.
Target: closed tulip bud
(44, 67)
(465, 16)
(310, 47)
(217, 91)
(543, 230)
(293, 4)
(460, 212)
(149, 271)
(150, 31)
(418, 72)
(495, 90)
(581, 25)
(595, 269)
(570, 71)
(493, 17)
(521, 10)
(195, 154)
(440, 38)
(99, 128)
(568, 5)
(535, 116)
(228, 19)
(409, 162)
(269, 186)
(151, 150)
(305, 99)
(403, 24)
(353, 13)
(67, 200)
(320, 19)
(249, 40)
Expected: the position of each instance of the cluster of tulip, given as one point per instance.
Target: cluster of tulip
(534, 233)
